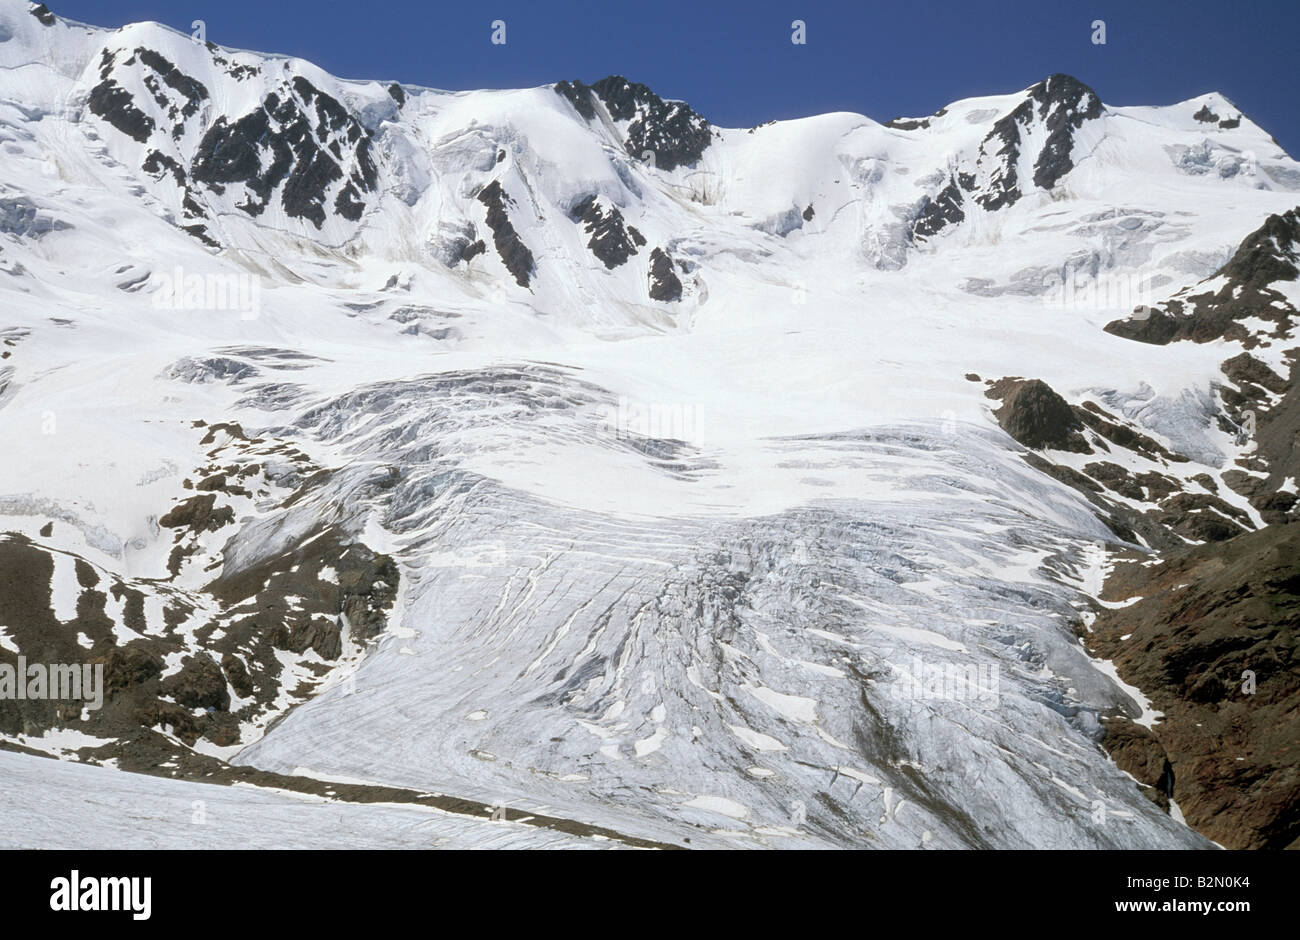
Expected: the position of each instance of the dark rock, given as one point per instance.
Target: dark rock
(199, 684)
(578, 95)
(664, 283)
(943, 210)
(1058, 105)
(1036, 416)
(300, 138)
(190, 89)
(158, 714)
(1267, 255)
(237, 675)
(1245, 369)
(1137, 751)
(129, 666)
(610, 241)
(197, 514)
(1064, 103)
(115, 105)
(670, 130)
(319, 634)
(156, 163)
(514, 253)
(1213, 645)
(1205, 115)
(212, 483)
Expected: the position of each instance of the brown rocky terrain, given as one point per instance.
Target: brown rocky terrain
(216, 663)
(1213, 645)
(1212, 640)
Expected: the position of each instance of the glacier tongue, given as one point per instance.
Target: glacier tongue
(777, 680)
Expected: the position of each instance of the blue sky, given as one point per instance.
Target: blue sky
(735, 64)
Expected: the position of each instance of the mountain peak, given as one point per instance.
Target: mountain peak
(665, 133)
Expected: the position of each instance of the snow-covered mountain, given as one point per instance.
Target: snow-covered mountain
(555, 449)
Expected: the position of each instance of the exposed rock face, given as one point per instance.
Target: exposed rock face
(1170, 510)
(1055, 108)
(668, 130)
(197, 514)
(199, 684)
(1238, 291)
(1212, 642)
(664, 283)
(943, 210)
(301, 138)
(472, 250)
(1137, 750)
(611, 241)
(1206, 116)
(578, 95)
(115, 105)
(1064, 104)
(1213, 645)
(200, 663)
(1241, 303)
(192, 93)
(131, 665)
(514, 253)
(912, 124)
(1036, 416)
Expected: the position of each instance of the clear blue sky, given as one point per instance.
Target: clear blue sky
(735, 64)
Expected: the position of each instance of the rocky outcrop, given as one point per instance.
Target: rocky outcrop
(199, 663)
(668, 131)
(1213, 645)
(1241, 290)
(1036, 416)
(198, 514)
(664, 283)
(1053, 109)
(943, 210)
(199, 684)
(578, 95)
(301, 142)
(612, 241)
(514, 253)
(114, 104)
(1137, 750)
(1242, 303)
